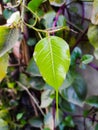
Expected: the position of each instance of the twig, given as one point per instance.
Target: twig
(35, 110)
(31, 96)
(81, 116)
(22, 15)
(57, 16)
(93, 66)
(79, 39)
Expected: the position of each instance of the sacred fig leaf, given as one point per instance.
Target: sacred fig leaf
(3, 66)
(52, 57)
(8, 38)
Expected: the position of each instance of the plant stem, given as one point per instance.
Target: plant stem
(79, 39)
(81, 116)
(32, 97)
(49, 30)
(93, 66)
(57, 16)
(22, 15)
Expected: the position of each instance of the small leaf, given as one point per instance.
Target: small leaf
(36, 83)
(53, 59)
(48, 121)
(67, 106)
(3, 125)
(36, 122)
(7, 13)
(34, 4)
(3, 66)
(14, 18)
(46, 98)
(86, 59)
(19, 116)
(69, 121)
(92, 101)
(57, 2)
(49, 17)
(76, 53)
(32, 68)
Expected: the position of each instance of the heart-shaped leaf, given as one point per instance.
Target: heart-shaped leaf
(53, 59)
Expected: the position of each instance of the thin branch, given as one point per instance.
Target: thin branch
(22, 15)
(79, 39)
(81, 116)
(31, 96)
(93, 66)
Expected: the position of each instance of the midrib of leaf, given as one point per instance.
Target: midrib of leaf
(56, 87)
(52, 61)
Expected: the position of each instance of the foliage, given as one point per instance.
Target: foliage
(42, 55)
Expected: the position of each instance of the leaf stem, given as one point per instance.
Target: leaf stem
(49, 30)
(57, 109)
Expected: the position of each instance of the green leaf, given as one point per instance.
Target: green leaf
(32, 68)
(7, 13)
(4, 31)
(3, 125)
(48, 121)
(19, 116)
(67, 106)
(53, 59)
(36, 83)
(69, 121)
(92, 101)
(3, 66)
(57, 2)
(36, 122)
(76, 93)
(46, 98)
(86, 59)
(8, 38)
(34, 4)
(93, 38)
(49, 19)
